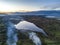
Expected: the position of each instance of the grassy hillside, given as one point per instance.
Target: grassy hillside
(51, 26)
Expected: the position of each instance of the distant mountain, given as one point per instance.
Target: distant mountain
(48, 13)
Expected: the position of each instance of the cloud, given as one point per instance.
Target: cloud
(54, 6)
(30, 5)
(57, 9)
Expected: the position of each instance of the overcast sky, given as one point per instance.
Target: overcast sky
(29, 5)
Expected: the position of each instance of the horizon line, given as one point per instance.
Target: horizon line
(26, 11)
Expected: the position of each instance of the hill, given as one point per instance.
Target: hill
(51, 26)
(44, 12)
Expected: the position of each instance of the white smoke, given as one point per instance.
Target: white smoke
(11, 34)
(35, 38)
(28, 26)
(23, 26)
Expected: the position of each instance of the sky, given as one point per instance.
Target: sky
(28, 5)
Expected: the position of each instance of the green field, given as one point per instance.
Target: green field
(51, 26)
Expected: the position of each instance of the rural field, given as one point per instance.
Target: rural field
(50, 26)
(29, 22)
